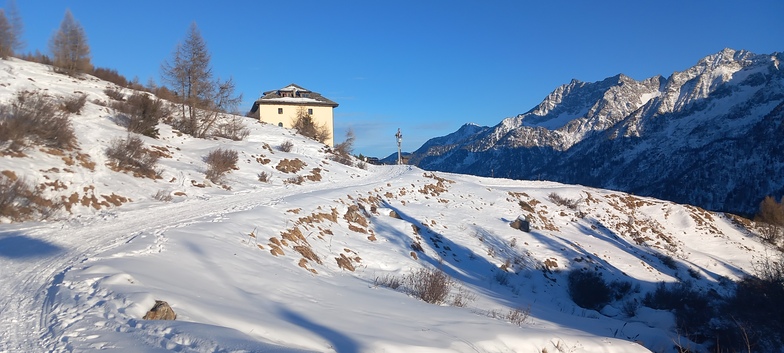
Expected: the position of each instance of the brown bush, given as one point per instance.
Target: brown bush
(219, 162)
(431, 285)
(75, 104)
(388, 281)
(342, 151)
(264, 177)
(20, 201)
(165, 94)
(141, 114)
(110, 75)
(286, 146)
(296, 180)
(129, 154)
(562, 201)
(32, 118)
(163, 196)
(37, 57)
(114, 93)
(290, 165)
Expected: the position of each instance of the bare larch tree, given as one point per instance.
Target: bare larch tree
(203, 100)
(69, 47)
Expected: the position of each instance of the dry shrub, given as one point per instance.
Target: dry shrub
(588, 289)
(342, 159)
(290, 165)
(463, 298)
(74, 104)
(141, 114)
(431, 285)
(114, 93)
(264, 177)
(37, 57)
(388, 281)
(164, 93)
(526, 207)
(315, 175)
(562, 201)
(232, 128)
(163, 196)
(219, 162)
(110, 75)
(286, 146)
(518, 316)
(131, 155)
(20, 201)
(32, 118)
(296, 180)
(342, 151)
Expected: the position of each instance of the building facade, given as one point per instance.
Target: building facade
(281, 107)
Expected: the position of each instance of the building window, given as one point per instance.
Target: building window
(280, 124)
(310, 111)
(280, 110)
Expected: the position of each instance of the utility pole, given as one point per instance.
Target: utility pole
(399, 137)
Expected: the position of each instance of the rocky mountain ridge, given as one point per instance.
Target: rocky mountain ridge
(710, 135)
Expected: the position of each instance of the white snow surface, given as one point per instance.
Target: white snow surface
(252, 266)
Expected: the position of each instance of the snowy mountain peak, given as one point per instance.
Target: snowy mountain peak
(642, 136)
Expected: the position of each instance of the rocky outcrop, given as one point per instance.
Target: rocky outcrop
(160, 311)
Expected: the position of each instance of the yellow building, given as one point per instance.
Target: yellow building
(280, 107)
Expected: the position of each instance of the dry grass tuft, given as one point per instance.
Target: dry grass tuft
(315, 175)
(344, 262)
(307, 253)
(290, 165)
(355, 215)
(20, 201)
(294, 235)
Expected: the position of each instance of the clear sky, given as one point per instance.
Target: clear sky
(426, 67)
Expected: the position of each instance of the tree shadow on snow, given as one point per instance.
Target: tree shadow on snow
(339, 342)
(17, 246)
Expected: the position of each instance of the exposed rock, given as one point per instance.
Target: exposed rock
(160, 311)
(521, 224)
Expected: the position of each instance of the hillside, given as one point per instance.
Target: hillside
(322, 263)
(708, 136)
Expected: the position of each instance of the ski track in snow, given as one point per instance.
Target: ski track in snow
(28, 324)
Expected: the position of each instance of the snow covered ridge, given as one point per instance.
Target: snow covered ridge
(310, 266)
(704, 136)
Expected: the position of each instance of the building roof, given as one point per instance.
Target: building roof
(295, 95)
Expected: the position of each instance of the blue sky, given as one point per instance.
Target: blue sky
(426, 67)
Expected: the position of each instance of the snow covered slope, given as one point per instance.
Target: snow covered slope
(277, 266)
